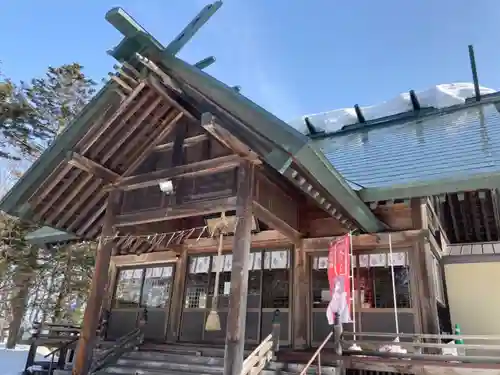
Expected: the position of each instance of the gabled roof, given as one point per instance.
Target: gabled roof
(290, 153)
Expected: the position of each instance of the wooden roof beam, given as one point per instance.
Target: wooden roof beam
(276, 207)
(188, 142)
(177, 212)
(90, 166)
(209, 123)
(210, 166)
(275, 222)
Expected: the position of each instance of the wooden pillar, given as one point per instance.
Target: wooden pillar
(176, 300)
(300, 296)
(86, 343)
(110, 286)
(236, 318)
(423, 293)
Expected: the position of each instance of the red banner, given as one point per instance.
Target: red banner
(339, 270)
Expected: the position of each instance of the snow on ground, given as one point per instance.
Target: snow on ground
(12, 361)
(439, 96)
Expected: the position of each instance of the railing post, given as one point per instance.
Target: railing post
(32, 352)
(103, 327)
(276, 333)
(337, 341)
(143, 320)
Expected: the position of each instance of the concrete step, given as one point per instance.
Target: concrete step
(139, 356)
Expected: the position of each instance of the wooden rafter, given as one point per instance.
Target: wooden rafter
(127, 110)
(165, 128)
(160, 89)
(200, 168)
(177, 212)
(91, 167)
(88, 183)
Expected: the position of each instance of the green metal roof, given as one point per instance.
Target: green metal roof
(48, 235)
(288, 144)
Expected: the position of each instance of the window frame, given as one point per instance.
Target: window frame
(144, 268)
(357, 254)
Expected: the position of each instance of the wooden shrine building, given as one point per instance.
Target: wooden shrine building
(164, 148)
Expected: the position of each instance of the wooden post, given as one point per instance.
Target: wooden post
(300, 296)
(86, 343)
(423, 293)
(176, 300)
(236, 318)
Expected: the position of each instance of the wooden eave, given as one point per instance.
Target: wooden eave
(66, 187)
(428, 188)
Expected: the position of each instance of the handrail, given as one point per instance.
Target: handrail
(317, 354)
(65, 346)
(264, 352)
(260, 356)
(123, 344)
(425, 336)
(127, 342)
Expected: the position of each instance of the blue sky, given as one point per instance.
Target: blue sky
(293, 57)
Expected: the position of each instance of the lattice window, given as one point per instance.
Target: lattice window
(157, 285)
(197, 281)
(372, 280)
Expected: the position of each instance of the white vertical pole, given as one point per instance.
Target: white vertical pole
(353, 301)
(393, 288)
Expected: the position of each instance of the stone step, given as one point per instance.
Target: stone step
(171, 370)
(141, 367)
(138, 356)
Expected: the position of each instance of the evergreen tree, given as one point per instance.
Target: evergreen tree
(32, 115)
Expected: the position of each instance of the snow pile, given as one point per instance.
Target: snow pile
(439, 96)
(12, 361)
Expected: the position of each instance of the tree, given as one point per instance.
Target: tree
(32, 115)
(57, 99)
(16, 132)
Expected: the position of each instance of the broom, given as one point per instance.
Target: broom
(213, 320)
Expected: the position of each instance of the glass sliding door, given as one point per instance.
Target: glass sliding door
(268, 290)
(138, 288)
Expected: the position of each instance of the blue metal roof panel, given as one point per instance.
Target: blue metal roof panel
(456, 144)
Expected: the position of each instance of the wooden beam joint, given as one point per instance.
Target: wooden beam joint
(90, 166)
(201, 168)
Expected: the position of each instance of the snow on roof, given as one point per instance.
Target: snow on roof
(439, 96)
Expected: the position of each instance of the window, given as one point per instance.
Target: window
(269, 268)
(128, 288)
(156, 289)
(146, 287)
(372, 281)
(197, 282)
(276, 279)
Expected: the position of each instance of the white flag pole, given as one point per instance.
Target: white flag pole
(353, 301)
(396, 320)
